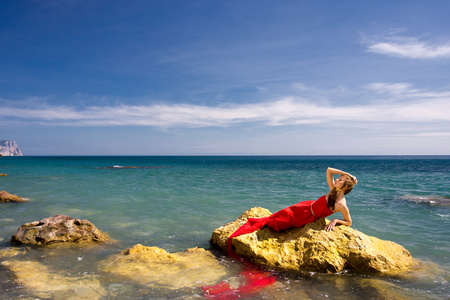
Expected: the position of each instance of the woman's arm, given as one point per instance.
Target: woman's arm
(333, 171)
(342, 208)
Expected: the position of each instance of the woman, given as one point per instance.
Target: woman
(306, 212)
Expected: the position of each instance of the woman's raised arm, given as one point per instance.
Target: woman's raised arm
(333, 171)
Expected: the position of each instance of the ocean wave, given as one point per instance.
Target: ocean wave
(431, 200)
(444, 216)
(131, 167)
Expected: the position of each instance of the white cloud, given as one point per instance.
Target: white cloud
(434, 134)
(401, 103)
(407, 47)
(390, 88)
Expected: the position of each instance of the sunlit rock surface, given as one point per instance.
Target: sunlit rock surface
(58, 229)
(7, 197)
(155, 267)
(310, 248)
(38, 280)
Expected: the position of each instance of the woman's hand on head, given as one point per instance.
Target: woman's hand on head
(355, 181)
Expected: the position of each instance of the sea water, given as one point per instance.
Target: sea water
(176, 202)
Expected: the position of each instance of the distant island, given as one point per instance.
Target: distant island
(9, 148)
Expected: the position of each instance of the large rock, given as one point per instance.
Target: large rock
(7, 197)
(153, 266)
(9, 148)
(310, 248)
(58, 229)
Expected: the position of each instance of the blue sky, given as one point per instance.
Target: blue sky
(225, 77)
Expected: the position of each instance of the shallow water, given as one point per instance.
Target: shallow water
(176, 202)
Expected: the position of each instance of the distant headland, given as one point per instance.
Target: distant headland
(9, 148)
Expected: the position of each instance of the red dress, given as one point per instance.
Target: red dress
(297, 215)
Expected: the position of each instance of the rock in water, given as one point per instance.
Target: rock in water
(310, 248)
(43, 283)
(9, 148)
(154, 267)
(7, 197)
(58, 229)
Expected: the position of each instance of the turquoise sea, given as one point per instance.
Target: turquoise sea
(176, 202)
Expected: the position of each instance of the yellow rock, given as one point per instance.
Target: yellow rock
(149, 254)
(157, 268)
(310, 248)
(381, 289)
(11, 252)
(41, 282)
(7, 197)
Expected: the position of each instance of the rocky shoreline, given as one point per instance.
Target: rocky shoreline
(303, 249)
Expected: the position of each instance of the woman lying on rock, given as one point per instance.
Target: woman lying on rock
(305, 212)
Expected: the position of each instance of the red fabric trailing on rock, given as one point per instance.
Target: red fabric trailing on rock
(297, 215)
(253, 281)
(216, 290)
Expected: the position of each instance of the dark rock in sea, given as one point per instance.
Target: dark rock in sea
(310, 248)
(7, 197)
(58, 229)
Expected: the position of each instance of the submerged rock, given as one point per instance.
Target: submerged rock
(39, 281)
(310, 248)
(10, 252)
(58, 229)
(157, 268)
(430, 200)
(7, 197)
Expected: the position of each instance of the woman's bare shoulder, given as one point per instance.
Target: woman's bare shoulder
(341, 204)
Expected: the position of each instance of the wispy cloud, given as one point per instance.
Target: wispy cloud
(407, 47)
(392, 102)
(404, 90)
